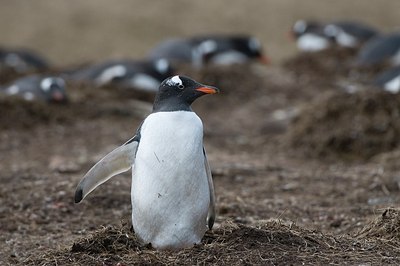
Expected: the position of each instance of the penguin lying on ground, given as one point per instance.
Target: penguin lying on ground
(349, 33)
(316, 36)
(309, 36)
(173, 202)
(144, 75)
(210, 49)
(38, 87)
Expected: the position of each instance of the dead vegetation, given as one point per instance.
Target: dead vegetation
(269, 242)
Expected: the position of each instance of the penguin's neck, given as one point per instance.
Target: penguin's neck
(171, 104)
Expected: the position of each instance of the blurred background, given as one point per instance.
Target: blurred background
(93, 30)
(309, 141)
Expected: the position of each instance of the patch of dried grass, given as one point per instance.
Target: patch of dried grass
(267, 242)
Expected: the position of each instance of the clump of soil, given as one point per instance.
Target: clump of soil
(330, 65)
(325, 65)
(107, 240)
(386, 226)
(351, 126)
(85, 102)
(18, 113)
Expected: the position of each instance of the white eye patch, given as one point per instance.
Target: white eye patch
(110, 73)
(174, 81)
(300, 26)
(254, 44)
(14, 89)
(208, 46)
(162, 65)
(46, 83)
(331, 30)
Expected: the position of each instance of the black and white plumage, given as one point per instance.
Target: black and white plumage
(310, 36)
(229, 49)
(389, 80)
(22, 61)
(144, 75)
(379, 50)
(210, 49)
(38, 87)
(349, 33)
(315, 36)
(173, 202)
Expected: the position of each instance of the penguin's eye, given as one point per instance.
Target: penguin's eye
(180, 86)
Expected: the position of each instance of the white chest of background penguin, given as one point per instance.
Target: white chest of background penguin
(173, 202)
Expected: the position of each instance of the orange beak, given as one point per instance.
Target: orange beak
(208, 90)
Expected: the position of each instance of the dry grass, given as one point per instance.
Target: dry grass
(269, 242)
(385, 227)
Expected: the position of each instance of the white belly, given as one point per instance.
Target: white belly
(170, 195)
(311, 43)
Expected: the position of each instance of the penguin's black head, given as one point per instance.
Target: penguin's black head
(177, 93)
(215, 46)
(54, 89)
(302, 27)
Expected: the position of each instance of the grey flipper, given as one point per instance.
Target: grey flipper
(211, 208)
(118, 161)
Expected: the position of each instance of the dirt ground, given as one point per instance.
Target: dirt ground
(278, 202)
(304, 172)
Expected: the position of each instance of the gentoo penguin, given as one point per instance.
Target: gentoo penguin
(21, 60)
(38, 87)
(229, 49)
(172, 189)
(309, 36)
(143, 75)
(389, 80)
(212, 49)
(379, 50)
(349, 33)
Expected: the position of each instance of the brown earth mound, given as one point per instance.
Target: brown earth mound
(350, 126)
(230, 243)
(327, 66)
(324, 65)
(84, 101)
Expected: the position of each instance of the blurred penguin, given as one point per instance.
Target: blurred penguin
(229, 49)
(310, 36)
(349, 33)
(210, 49)
(38, 88)
(143, 75)
(316, 36)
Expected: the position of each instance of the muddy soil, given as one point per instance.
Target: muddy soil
(304, 173)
